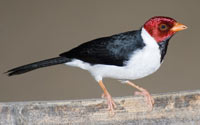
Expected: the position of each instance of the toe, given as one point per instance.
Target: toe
(149, 99)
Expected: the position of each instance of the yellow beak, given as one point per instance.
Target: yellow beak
(178, 27)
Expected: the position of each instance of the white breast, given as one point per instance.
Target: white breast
(142, 63)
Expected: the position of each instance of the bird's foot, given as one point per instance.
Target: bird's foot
(143, 92)
(148, 97)
(110, 102)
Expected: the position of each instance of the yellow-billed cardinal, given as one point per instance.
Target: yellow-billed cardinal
(126, 56)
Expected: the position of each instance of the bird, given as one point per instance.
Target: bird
(124, 56)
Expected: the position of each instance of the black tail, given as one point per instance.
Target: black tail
(36, 65)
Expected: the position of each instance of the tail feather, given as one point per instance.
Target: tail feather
(36, 65)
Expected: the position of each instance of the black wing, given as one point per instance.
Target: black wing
(112, 50)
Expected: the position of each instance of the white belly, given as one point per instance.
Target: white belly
(142, 63)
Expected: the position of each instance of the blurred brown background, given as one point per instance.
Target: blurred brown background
(39, 29)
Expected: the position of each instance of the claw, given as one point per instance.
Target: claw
(110, 102)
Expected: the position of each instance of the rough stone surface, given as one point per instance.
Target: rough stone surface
(171, 108)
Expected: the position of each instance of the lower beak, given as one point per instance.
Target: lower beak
(178, 27)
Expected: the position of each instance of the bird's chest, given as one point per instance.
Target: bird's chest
(143, 62)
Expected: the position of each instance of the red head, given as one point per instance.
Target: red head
(161, 28)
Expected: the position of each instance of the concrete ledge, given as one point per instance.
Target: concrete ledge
(170, 108)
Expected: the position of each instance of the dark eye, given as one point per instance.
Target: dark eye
(163, 27)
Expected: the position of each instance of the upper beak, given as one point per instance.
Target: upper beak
(178, 27)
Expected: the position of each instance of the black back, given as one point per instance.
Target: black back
(112, 50)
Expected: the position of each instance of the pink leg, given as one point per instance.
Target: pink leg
(111, 103)
(143, 92)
